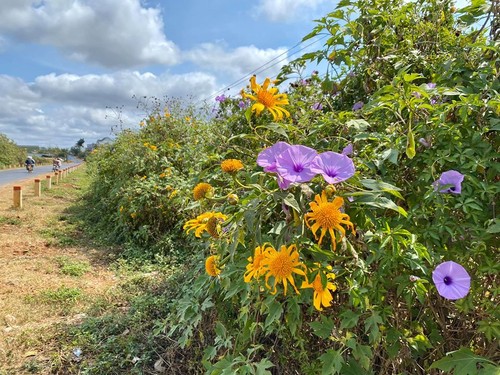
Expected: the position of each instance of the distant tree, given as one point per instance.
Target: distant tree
(78, 150)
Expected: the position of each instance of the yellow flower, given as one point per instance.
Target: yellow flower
(153, 147)
(254, 267)
(267, 98)
(281, 265)
(327, 217)
(162, 175)
(133, 215)
(322, 292)
(188, 119)
(121, 208)
(211, 265)
(231, 166)
(141, 124)
(200, 223)
(202, 190)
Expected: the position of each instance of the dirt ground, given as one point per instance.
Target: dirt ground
(46, 277)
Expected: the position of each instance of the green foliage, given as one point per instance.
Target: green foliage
(72, 267)
(10, 153)
(413, 87)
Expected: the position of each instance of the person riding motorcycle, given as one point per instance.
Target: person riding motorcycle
(30, 164)
(56, 164)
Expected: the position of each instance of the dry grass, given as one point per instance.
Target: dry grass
(35, 294)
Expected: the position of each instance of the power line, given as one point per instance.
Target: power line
(263, 67)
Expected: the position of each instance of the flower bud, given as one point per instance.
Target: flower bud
(232, 199)
(330, 190)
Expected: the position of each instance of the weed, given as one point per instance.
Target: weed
(62, 295)
(10, 220)
(72, 267)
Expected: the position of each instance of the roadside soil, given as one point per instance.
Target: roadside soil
(37, 292)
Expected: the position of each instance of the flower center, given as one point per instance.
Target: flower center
(331, 172)
(317, 284)
(298, 168)
(328, 216)
(281, 266)
(447, 280)
(266, 98)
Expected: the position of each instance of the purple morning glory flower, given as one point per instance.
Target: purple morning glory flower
(243, 104)
(424, 142)
(317, 106)
(431, 85)
(348, 150)
(357, 106)
(448, 178)
(334, 167)
(267, 157)
(220, 98)
(452, 280)
(294, 164)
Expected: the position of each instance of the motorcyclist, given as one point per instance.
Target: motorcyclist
(56, 164)
(30, 163)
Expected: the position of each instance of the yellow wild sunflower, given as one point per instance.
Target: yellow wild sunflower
(327, 216)
(199, 225)
(202, 190)
(281, 265)
(267, 98)
(322, 296)
(254, 267)
(231, 166)
(212, 265)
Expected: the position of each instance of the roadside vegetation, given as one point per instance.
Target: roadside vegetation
(343, 225)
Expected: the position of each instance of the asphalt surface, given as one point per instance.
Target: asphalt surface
(11, 176)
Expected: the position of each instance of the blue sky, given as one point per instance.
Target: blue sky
(63, 63)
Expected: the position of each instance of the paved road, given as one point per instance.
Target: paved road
(10, 176)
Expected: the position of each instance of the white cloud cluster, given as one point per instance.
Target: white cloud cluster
(111, 33)
(239, 62)
(57, 110)
(285, 10)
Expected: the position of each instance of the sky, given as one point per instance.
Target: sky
(68, 67)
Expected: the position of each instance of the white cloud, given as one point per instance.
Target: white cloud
(285, 10)
(240, 61)
(112, 33)
(57, 110)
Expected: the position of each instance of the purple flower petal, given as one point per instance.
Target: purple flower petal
(317, 106)
(452, 280)
(357, 106)
(448, 178)
(431, 85)
(267, 157)
(334, 167)
(294, 164)
(348, 150)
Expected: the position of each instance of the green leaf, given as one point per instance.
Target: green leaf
(371, 327)
(461, 362)
(324, 328)
(410, 145)
(349, 319)
(277, 128)
(220, 330)
(359, 124)
(332, 362)
(275, 311)
(262, 366)
(375, 185)
(292, 202)
(494, 227)
(248, 114)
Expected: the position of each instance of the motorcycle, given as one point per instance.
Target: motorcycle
(29, 168)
